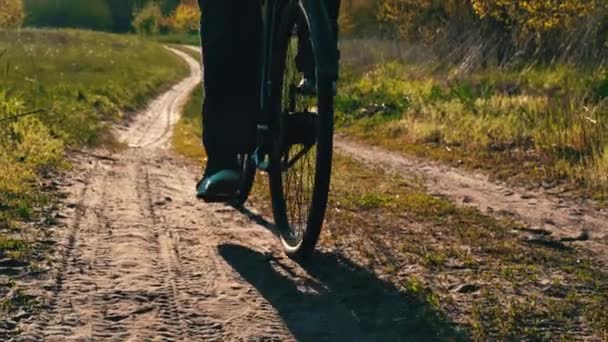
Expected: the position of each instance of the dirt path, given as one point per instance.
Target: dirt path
(140, 259)
(542, 213)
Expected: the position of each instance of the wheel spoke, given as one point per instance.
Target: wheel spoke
(298, 173)
(299, 143)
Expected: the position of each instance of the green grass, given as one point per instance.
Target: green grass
(178, 38)
(187, 135)
(538, 124)
(431, 247)
(12, 246)
(432, 251)
(82, 81)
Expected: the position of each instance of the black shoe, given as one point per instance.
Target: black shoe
(220, 183)
(221, 186)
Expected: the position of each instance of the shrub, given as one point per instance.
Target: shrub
(26, 145)
(122, 14)
(186, 18)
(543, 31)
(149, 20)
(12, 14)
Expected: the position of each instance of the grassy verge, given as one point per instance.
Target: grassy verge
(184, 38)
(451, 266)
(187, 135)
(476, 270)
(188, 131)
(81, 82)
(526, 125)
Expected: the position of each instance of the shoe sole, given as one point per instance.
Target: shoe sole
(227, 198)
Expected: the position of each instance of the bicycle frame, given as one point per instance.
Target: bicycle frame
(322, 39)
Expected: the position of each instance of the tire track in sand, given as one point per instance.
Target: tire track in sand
(141, 257)
(143, 260)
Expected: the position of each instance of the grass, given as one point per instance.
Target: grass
(178, 38)
(477, 270)
(82, 82)
(187, 135)
(540, 124)
(472, 270)
(466, 268)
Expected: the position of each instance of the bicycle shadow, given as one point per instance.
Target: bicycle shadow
(254, 217)
(344, 302)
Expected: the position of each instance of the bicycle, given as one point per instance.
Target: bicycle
(298, 162)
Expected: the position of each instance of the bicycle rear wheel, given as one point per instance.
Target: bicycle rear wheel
(301, 158)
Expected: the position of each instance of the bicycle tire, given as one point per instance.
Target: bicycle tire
(311, 223)
(248, 171)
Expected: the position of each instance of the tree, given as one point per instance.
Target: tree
(149, 20)
(420, 19)
(547, 29)
(122, 14)
(186, 18)
(539, 29)
(168, 6)
(535, 16)
(358, 17)
(90, 14)
(12, 13)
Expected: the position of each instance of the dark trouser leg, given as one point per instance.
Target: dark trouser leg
(231, 32)
(305, 58)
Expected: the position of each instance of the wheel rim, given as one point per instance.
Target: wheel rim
(298, 180)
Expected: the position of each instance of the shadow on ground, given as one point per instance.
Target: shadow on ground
(343, 302)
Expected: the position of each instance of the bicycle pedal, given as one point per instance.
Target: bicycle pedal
(307, 87)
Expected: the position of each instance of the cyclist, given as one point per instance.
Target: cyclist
(231, 40)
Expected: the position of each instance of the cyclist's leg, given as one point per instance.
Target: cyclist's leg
(305, 59)
(230, 31)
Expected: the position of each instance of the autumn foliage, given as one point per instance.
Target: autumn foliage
(536, 16)
(11, 13)
(186, 18)
(546, 29)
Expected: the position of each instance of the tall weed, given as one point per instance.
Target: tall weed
(555, 117)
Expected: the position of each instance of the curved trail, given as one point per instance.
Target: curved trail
(152, 128)
(142, 260)
(542, 213)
